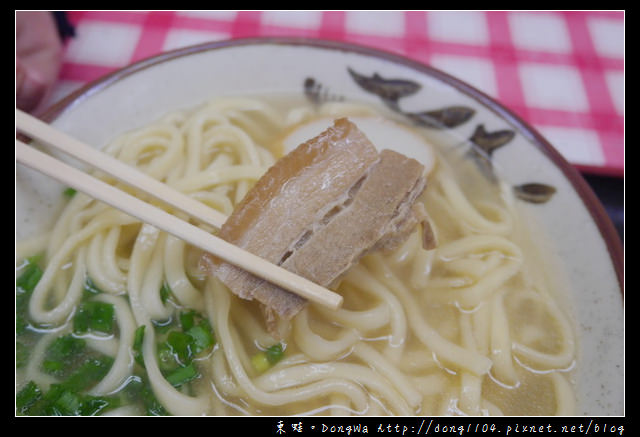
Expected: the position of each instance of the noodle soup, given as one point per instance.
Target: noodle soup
(115, 317)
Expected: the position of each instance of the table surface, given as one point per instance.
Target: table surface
(563, 72)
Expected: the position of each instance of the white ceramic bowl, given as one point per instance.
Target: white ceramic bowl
(579, 229)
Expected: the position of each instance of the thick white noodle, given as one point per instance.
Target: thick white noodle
(387, 351)
(122, 366)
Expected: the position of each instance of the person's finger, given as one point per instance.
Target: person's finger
(30, 89)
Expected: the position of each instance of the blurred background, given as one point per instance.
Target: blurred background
(563, 72)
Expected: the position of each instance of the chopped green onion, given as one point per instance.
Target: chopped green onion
(30, 276)
(88, 374)
(60, 353)
(95, 405)
(67, 404)
(187, 320)
(202, 337)
(151, 403)
(27, 397)
(137, 345)
(263, 360)
(65, 347)
(95, 316)
(166, 358)
(60, 401)
(22, 354)
(275, 353)
(21, 324)
(137, 387)
(181, 345)
(66, 398)
(165, 292)
(182, 375)
(70, 192)
(52, 367)
(260, 362)
(25, 284)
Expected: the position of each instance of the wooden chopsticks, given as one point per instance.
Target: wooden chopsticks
(150, 214)
(45, 133)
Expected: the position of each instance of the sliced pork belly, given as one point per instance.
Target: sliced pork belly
(318, 210)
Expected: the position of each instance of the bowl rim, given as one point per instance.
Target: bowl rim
(584, 191)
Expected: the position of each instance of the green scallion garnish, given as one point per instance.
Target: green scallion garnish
(182, 375)
(94, 316)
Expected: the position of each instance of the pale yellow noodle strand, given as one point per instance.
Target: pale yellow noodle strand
(219, 312)
(545, 361)
(359, 277)
(407, 250)
(105, 345)
(478, 244)
(111, 258)
(470, 394)
(57, 283)
(152, 282)
(542, 361)
(40, 293)
(73, 294)
(222, 377)
(242, 353)
(339, 404)
(122, 366)
(374, 359)
(251, 326)
(142, 251)
(472, 295)
(470, 385)
(76, 210)
(418, 359)
(176, 276)
(248, 122)
(100, 266)
(174, 401)
(431, 384)
(443, 348)
(253, 115)
(420, 275)
(448, 405)
(193, 129)
(267, 159)
(491, 409)
(363, 321)
(469, 213)
(501, 345)
(481, 318)
(565, 398)
(219, 176)
(38, 352)
(298, 115)
(474, 269)
(319, 372)
(243, 146)
(215, 200)
(163, 137)
(317, 347)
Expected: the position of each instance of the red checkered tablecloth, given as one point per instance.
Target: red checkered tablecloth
(561, 71)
